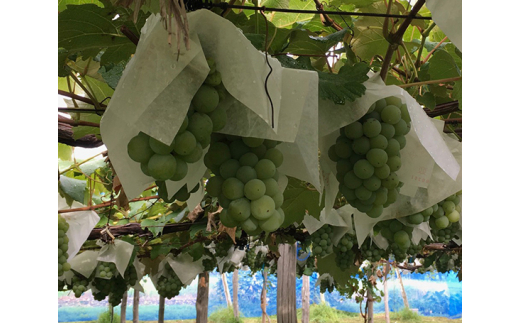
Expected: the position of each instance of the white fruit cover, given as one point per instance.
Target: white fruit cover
(157, 86)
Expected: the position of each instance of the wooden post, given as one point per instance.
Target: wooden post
(226, 290)
(385, 284)
(263, 299)
(161, 310)
(305, 298)
(236, 312)
(370, 305)
(123, 307)
(405, 299)
(286, 285)
(135, 311)
(202, 298)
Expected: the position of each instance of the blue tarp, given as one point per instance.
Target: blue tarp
(432, 294)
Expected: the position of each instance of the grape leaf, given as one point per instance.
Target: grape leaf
(112, 73)
(298, 200)
(90, 167)
(427, 99)
(346, 85)
(286, 20)
(75, 188)
(301, 42)
(89, 29)
(64, 152)
(158, 250)
(196, 251)
(442, 65)
(275, 4)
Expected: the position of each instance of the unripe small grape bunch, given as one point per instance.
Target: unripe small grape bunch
(440, 215)
(345, 254)
(398, 235)
(63, 246)
(169, 284)
(367, 156)
(246, 182)
(205, 116)
(322, 241)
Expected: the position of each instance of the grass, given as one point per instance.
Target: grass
(318, 313)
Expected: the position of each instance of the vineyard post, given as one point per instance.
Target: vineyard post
(135, 313)
(286, 284)
(305, 298)
(202, 298)
(236, 313)
(123, 307)
(161, 310)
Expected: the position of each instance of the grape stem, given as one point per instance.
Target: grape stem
(451, 79)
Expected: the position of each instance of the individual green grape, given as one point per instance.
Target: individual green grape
(371, 128)
(250, 226)
(274, 155)
(259, 151)
(391, 181)
(254, 189)
(363, 169)
(246, 173)
(227, 220)
(194, 156)
(248, 159)
(362, 193)
(361, 145)
(402, 239)
(273, 222)
(162, 167)
(240, 209)
(379, 142)
(181, 169)
(139, 149)
(353, 130)
(442, 222)
(265, 169)
(184, 143)
(401, 140)
(387, 130)
(372, 184)
(416, 218)
(401, 128)
(263, 207)
(252, 142)
(218, 118)
(394, 163)
(381, 196)
(206, 99)
(238, 148)
(214, 186)
(375, 211)
(217, 154)
(352, 181)
(377, 157)
(213, 79)
(271, 187)
(382, 172)
(391, 114)
(160, 148)
(229, 168)
(200, 125)
(342, 149)
(233, 188)
(278, 199)
(393, 147)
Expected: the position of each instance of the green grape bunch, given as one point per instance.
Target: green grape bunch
(245, 182)
(344, 251)
(398, 235)
(205, 116)
(108, 282)
(367, 156)
(63, 246)
(169, 284)
(80, 284)
(371, 252)
(322, 241)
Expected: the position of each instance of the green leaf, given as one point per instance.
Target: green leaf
(456, 94)
(303, 43)
(427, 99)
(368, 42)
(64, 152)
(112, 73)
(428, 261)
(345, 86)
(62, 4)
(301, 63)
(283, 4)
(89, 29)
(196, 228)
(91, 166)
(155, 227)
(257, 40)
(63, 54)
(75, 188)
(287, 20)
(442, 65)
(158, 250)
(196, 251)
(299, 199)
(327, 265)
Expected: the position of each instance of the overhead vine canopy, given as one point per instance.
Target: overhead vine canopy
(236, 125)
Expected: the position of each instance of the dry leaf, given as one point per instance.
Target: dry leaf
(122, 200)
(195, 213)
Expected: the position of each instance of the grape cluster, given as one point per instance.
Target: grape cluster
(326, 286)
(321, 241)
(63, 246)
(79, 284)
(371, 252)
(245, 182)
(210, 263)
(345, 254)
(169, 285)
(107, 282)
(182, 194)
(308, 268)
(398, 235)
(447, 234)
(205, 115)
(416, 249)
(367, 156)
(222, 247)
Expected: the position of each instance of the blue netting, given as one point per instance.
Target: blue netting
(432, 294)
